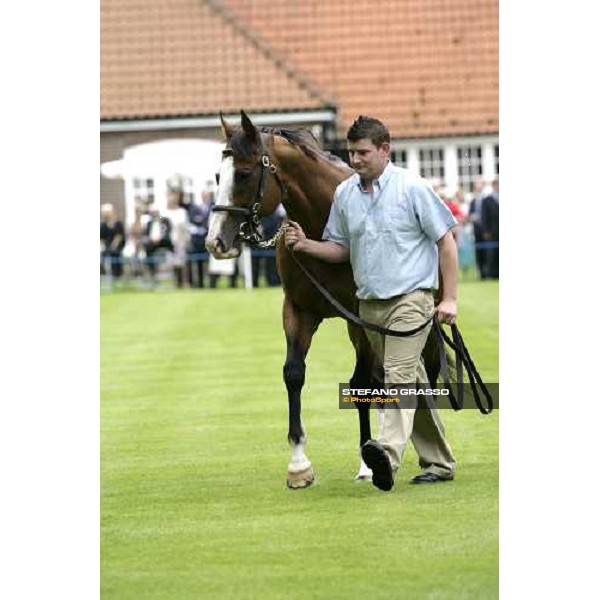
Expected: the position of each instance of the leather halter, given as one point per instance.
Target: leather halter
(249, 228)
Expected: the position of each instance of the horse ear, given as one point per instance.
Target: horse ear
(249, 128)
(226, 128)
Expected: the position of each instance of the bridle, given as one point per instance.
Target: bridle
(249, 231)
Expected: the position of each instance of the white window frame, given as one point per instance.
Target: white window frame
(472, 165)
(433, 169)
(450, 145)
(402, 161)
(146, 190)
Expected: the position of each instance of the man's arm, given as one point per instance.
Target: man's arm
(447, 308)
(326, 250)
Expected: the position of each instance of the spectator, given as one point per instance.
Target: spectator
(455, 210)
(112, 240)
(490, 226)
(475, 218)
(136, 238)
(461, 203)
(198, 217)
(157, 236)
(177, 215)
(464, 229)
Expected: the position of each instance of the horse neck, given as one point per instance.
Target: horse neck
(310, 188)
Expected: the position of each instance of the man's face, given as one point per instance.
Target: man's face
(106, 214)
(368, 160)
(173, 200)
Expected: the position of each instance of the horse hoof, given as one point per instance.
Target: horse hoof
(364, 473)
(301, 479)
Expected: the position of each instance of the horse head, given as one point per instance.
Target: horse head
(248, 186)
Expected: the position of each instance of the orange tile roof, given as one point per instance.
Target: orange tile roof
(185, 57)
(424, 67)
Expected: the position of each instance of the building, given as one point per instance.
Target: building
(427, 68)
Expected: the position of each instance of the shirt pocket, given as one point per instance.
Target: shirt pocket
(395, 218)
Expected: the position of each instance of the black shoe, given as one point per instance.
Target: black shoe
(429, 478)
(377, 460)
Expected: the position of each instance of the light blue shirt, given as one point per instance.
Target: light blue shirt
(391, 233)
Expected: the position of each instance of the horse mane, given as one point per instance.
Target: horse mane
(302, 138)
(306, 141)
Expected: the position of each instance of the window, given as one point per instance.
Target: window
(470, 167)
(400, 158)
(144, 189)
(431, 163)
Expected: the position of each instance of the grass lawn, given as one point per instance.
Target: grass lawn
(194, 455)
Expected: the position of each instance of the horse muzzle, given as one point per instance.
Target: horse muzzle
(219, 249)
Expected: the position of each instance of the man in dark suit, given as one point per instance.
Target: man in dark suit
(157, 235)
(490, 226)
(475, 218)
(112, 238)
(198, 218)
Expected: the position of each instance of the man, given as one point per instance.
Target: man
(490, 227)
(392, 227)
(177, 216)
(157, 235)
(198, 219)
(475, 218)
(112, 239)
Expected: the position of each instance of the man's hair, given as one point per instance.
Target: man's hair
(368, 128)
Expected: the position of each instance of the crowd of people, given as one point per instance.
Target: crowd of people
(174, 240)
(477, 234)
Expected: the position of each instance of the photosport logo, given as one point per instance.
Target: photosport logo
(409, 395)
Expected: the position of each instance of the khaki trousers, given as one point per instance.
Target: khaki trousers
(402, 363)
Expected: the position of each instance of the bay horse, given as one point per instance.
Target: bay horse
(259, 170)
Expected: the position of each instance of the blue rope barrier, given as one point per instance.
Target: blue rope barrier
(255, 253)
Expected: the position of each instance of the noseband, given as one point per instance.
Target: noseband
(249, 228)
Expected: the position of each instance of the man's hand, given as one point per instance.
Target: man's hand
(446, 311)
(295, 238)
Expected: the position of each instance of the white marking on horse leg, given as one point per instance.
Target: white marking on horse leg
(363, 471)
(299, 460)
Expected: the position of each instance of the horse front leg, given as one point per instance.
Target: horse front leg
(299, 329)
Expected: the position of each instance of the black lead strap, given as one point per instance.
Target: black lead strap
(462, 356)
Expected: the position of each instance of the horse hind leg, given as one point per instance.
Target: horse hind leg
(362, 378)
(299, 328)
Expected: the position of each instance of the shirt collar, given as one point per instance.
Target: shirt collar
(381, 181)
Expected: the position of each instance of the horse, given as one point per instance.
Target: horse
(259, 170)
